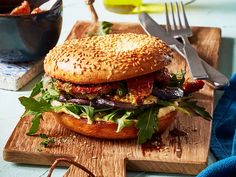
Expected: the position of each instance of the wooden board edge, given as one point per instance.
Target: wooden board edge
(47, 159)
(7, 145)
(163, 167)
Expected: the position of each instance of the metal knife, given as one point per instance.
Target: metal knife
(215, 78)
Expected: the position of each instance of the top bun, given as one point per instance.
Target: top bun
(108, 58)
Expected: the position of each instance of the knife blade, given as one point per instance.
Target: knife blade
(215, 78)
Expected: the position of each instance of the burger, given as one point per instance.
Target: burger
(114, 86)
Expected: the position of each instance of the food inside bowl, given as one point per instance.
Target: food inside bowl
(24, 9)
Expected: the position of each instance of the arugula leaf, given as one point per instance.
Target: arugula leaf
(34, 105)
(73, 108)
(37, 89)
(88, 111)
(104, 28)
(50, 94)
(147, 125)
(165, 103)
(124, 121)
(35, 123)
(102, 110)
(178, 79)
(110, 116)
(192, 105)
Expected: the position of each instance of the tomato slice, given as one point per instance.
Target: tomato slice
(141, 87)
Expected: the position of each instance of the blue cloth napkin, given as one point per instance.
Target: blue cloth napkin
(223, 137)
(222, 168)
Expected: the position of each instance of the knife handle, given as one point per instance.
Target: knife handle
(216, 79)
(196, 68)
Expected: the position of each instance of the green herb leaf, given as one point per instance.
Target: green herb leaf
(165, 103)
(104, 28)
(50, 94)
(178, 79)
(47, 142)
(35, 123)
(192, 105)
(124, 121)
(88, 111)
(34, 105)
(37, 89)
(73, 108)
(42, 135)
(147, 125)
(110, 116)
(102, 110)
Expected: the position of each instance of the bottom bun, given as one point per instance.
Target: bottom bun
(107, 130)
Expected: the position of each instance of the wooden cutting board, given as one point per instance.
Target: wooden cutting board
(182, 148)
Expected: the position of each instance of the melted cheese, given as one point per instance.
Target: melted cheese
(165, 110)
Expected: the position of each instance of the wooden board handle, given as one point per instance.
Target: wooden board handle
(105, 167)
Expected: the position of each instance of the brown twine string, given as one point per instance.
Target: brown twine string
(70, 162)
(92, 10)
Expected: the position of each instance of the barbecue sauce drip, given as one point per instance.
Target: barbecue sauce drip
(175, 141)
(155, 144)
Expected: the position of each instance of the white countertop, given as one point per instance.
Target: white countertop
(215, 13)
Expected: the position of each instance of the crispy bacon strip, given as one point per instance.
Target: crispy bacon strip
(23, 9)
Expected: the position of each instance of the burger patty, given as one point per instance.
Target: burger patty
(139, 87)
(85, 91)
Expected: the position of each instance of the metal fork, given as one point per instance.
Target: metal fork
(184, 31)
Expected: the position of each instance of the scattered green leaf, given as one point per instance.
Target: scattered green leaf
(47, 141)
(35, 122)
(42, 135)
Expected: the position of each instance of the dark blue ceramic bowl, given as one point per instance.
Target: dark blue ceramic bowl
(28, 37)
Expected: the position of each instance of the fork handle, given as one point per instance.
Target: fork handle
(196, 68)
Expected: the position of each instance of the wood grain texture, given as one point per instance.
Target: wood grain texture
(105, 158)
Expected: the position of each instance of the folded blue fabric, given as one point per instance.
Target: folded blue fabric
(223, 137)
(222, 168)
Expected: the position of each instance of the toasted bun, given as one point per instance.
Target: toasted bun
(108, 58)
(107, 130)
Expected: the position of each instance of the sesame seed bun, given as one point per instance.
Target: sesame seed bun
(108, 58)
(107, 130)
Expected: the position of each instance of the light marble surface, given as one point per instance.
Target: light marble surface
(215, 13)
